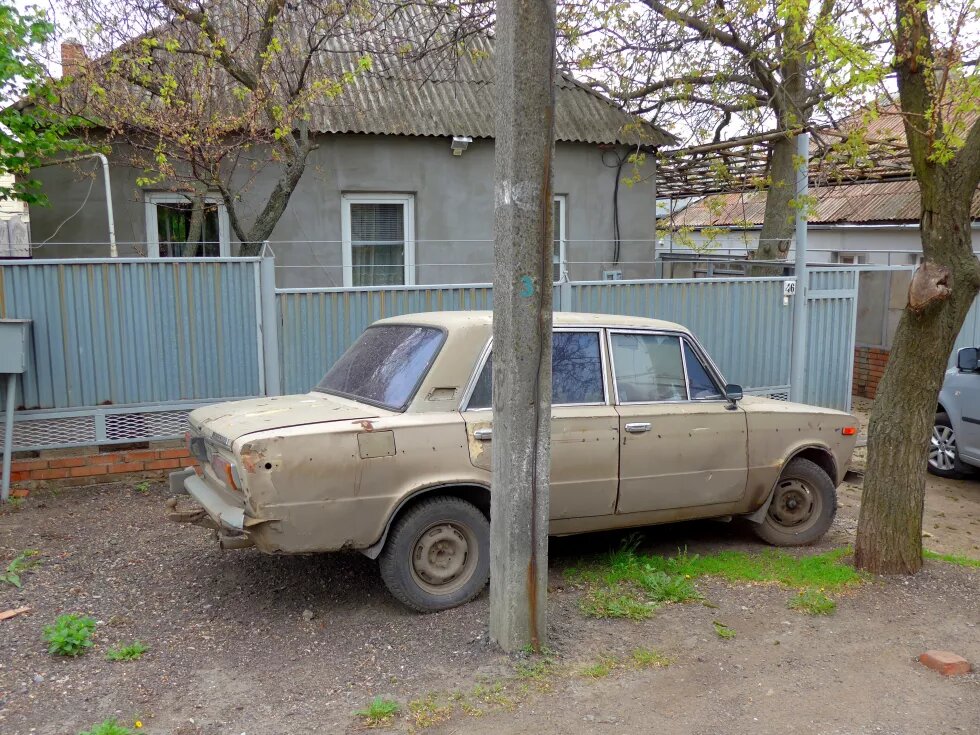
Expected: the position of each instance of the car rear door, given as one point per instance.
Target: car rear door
(584, 425)
(681, 443)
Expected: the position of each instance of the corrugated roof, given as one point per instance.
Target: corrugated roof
(868, 203)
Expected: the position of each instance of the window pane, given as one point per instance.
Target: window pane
(702, 385)
(648, 368)
(385, 365)
(174, 229)
(576, 368)
(558, 235)
(377, 233)
(576, 372)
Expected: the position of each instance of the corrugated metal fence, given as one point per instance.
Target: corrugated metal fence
(123, 348)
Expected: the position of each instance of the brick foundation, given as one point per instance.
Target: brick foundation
(90, 466)
(869, 366)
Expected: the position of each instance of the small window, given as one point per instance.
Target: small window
(648, 368)
(702, 385)
(171, 231)
(576, 372)
(849, 258)
(378, 245)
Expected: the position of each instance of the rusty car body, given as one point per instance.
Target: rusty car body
(391, 453)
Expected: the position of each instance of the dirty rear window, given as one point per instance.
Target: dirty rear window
(385, 365)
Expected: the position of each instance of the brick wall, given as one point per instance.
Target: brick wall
(89, 466)
(869, 366)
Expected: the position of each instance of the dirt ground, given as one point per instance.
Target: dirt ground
(245, 643)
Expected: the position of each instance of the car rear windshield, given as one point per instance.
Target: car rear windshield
(385, 365)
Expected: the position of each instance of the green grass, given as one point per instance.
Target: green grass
(25, 561)
(813, 602)
(535, 670)
(631, 585)
(427, 711)
(645, 658)
(960, 561)
(133, 652)
(723, 631)
(70, 635)
(380, 712)
(600, 669)
(109, 727)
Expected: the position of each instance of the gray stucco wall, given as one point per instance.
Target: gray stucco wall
(453, 203)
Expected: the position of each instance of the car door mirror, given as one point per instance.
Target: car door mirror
(733, 393)
(967, 359)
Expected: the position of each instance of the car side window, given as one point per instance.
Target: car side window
(576, 372)
(648, 368)
(699, 379)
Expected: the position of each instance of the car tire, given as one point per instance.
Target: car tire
(803, 506)
(437, 555)
(941, 444)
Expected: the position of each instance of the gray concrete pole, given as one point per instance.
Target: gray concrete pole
(522, 306)
(797, 364)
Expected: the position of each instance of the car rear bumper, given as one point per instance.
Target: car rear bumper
(227, 515)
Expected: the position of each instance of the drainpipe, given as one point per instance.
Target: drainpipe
(113, 250)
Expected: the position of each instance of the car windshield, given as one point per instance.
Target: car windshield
(384, 366)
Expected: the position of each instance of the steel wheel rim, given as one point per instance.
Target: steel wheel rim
(795, 504)
(444, 557)
(942, 448)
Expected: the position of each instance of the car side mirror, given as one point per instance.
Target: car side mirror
(733, 393)
(968, 359)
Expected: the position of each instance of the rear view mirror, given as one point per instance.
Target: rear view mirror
(967, 359)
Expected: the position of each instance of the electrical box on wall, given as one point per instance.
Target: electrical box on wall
(612, 275)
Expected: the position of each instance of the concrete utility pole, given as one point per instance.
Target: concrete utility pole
(522, 295)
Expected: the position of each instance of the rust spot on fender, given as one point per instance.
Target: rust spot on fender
(365, 424)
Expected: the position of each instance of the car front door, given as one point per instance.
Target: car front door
(584, 426)
(963, 387)
(682, 444)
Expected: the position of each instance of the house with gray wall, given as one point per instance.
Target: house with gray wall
(399, 190)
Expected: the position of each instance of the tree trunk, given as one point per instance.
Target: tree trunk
(889, 538)
(194, 229)
(522, 303)
(777, 227)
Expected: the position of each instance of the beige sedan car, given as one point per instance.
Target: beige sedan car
(390, 453)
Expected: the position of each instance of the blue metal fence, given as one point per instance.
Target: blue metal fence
(832, 315)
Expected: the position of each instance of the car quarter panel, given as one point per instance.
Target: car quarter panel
(779, 430)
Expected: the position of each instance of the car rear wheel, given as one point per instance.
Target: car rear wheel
(803, 506)
(437, 555)
(944, 458)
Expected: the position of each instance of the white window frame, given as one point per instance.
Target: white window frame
(408, 201)
(150, 201)
(849, 258)
(562, 225)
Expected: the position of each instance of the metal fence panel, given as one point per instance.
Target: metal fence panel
(317, 325)
(135, 331)
(742, 322)
(832, 324)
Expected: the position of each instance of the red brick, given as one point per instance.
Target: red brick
(19, 476)
(26, 465)
(97, 459)
(946, 663)
(20, 492)
(173, 454)
(140, 455)
(97, 469)
(48, 474)
(68, 462)
(115, 469)
(163, 464)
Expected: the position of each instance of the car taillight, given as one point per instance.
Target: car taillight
(849, 430)
(225, 470)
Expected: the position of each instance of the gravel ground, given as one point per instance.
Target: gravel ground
(245, 643)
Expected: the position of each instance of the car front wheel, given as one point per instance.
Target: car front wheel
(944, 459)
(437, 555)
(803, 506)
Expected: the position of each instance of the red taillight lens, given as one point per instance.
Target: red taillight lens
(849, 430)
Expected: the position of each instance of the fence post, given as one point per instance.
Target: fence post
(797, 363)
(269, 322)
(564, 293)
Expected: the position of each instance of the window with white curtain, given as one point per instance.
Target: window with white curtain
(558, 214)
(379, 247)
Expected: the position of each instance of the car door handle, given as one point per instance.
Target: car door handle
(483, 435)
(637, 428)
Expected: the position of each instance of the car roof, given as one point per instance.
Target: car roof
(463, 319)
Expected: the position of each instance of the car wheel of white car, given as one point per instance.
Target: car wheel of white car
(944, 460)
(803, 506)
(437, 555)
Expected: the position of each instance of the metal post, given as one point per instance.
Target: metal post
(270, 322)
(797, 363)
(8, 435)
